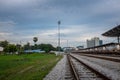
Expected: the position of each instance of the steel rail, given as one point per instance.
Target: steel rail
(90, 68)
(74, 72)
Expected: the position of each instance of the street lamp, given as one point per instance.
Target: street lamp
(59, 22)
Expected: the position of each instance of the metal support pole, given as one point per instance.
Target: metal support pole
(59, 22)
(118, 39)
(20, 47)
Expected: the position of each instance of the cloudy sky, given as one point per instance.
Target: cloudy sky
(21, 20)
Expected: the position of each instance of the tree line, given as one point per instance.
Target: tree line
(11, 48)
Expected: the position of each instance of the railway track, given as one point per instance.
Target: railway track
(102, 57)
(78, 70)
(71, 73)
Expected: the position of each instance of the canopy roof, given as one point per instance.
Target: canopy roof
(104, 45)
(115, 32)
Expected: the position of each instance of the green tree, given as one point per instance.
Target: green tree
(35, 39)
(4, 43)
(10, 48)
(27, 46)
(46, 47)
(57, 48)
(19, 47)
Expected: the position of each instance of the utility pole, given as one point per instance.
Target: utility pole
(59, 22)
(20, 50)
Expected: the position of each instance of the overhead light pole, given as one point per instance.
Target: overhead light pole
(59, 22)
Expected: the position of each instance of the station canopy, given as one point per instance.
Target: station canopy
(115, 32)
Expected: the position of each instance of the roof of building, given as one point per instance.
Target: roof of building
(37, 50)
(115, 32)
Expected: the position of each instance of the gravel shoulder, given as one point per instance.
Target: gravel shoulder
(58, 72)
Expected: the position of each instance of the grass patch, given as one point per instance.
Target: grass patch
(26, 66)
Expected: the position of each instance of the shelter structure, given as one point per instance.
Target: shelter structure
(105, 48)
(115, 32)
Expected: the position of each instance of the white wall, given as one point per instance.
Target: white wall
(1, 48)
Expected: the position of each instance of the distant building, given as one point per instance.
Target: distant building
(1, 49)
(94, 42)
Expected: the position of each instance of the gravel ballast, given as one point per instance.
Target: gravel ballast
(58, 72)
(109, 68)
